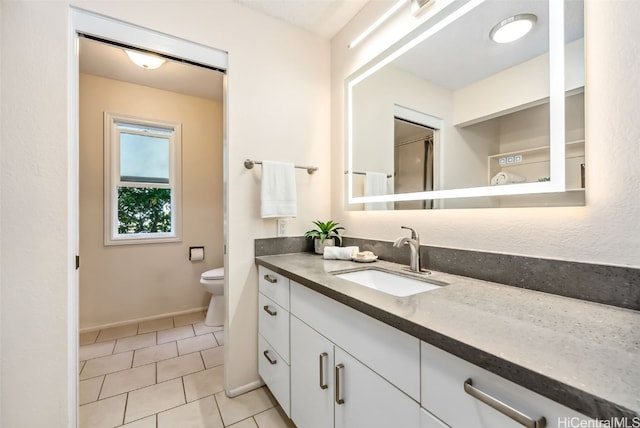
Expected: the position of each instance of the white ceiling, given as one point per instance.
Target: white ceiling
(322, 17)
(105, 60)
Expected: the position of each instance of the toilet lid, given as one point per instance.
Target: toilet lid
(217, 273)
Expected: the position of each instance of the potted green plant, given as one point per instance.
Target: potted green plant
(325, 235)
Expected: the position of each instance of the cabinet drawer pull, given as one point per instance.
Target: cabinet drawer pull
(503, 408)
(339, 399)
(266, 355)
(269, 311)
(270, 279)
(323, 383)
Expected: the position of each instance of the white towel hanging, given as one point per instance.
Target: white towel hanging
(375, 184)
(278, 192)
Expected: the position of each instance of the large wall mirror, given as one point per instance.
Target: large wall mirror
(450, 118)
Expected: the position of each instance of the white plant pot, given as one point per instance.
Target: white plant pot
(319, 247)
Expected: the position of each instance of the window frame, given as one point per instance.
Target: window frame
(112, 181)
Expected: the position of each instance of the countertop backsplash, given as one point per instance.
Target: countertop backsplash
(610, 285)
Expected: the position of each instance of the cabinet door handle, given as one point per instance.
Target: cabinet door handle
(323, 384)
(271, 360)
(270, 279)
(503, 408)
(269, 311)
(339, 399)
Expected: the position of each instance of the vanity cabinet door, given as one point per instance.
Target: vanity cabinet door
(364, 399)
(427, 420)
(312, 383)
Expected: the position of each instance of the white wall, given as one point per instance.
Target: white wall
(1, 136)
(278, 108)
(604, 231)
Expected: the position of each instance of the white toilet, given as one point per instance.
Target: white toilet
(213, 282)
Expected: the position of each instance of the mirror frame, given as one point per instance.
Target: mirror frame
(556, 106)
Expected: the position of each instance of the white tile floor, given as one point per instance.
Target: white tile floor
(166, 373)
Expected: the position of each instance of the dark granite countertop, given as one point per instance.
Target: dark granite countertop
(583, 355)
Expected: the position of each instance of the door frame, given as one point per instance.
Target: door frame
(89, 23)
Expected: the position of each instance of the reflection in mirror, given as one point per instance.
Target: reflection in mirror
(413, 161)
(452, 113)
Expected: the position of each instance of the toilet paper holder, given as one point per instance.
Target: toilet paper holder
(196, 254)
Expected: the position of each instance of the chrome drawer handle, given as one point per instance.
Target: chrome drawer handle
(266, 355)
(503, 408)
(270, 279)
(269, 311)
(339, 399)
(323, 383)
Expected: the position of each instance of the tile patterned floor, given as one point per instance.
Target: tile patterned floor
(165, 373)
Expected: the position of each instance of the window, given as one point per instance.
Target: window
(142, 180)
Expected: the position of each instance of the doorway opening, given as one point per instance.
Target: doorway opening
(413, 151)
(133, 283)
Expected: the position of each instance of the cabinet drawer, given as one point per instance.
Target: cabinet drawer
(443, 394)
(274, 371)
(273, 325)
(274, 286)
(392, 354)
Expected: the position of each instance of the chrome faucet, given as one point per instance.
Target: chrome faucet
(414, 245)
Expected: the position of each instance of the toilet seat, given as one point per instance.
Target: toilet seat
(217, 273)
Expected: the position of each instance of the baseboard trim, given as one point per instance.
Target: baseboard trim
(139, 320)
(244, 388)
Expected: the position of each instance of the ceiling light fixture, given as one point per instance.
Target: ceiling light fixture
(150, 62)
(376, 24)
(513, 28)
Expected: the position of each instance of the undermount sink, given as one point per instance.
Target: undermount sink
(389, 282)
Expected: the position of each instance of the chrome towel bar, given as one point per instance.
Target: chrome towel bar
(249, 164)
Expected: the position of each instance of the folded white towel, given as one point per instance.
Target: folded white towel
(507, 178)
(375, 184)
(278, 192)
(339, 253)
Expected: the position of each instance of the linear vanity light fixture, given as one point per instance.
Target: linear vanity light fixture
(149, 62)
(513, 28)
(419, 6)
(378, 22)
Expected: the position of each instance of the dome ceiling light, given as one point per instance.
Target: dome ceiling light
(150, 62)
(513, 28)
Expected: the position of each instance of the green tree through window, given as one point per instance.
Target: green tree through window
(144, 210)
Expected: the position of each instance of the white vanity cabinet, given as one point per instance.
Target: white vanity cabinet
(360, 386)
(329, 365)
(312, 380)
(444, 395)
(427, 420)
(273, 334)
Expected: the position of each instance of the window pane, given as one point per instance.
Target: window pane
(144, 210)
(144, 158)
